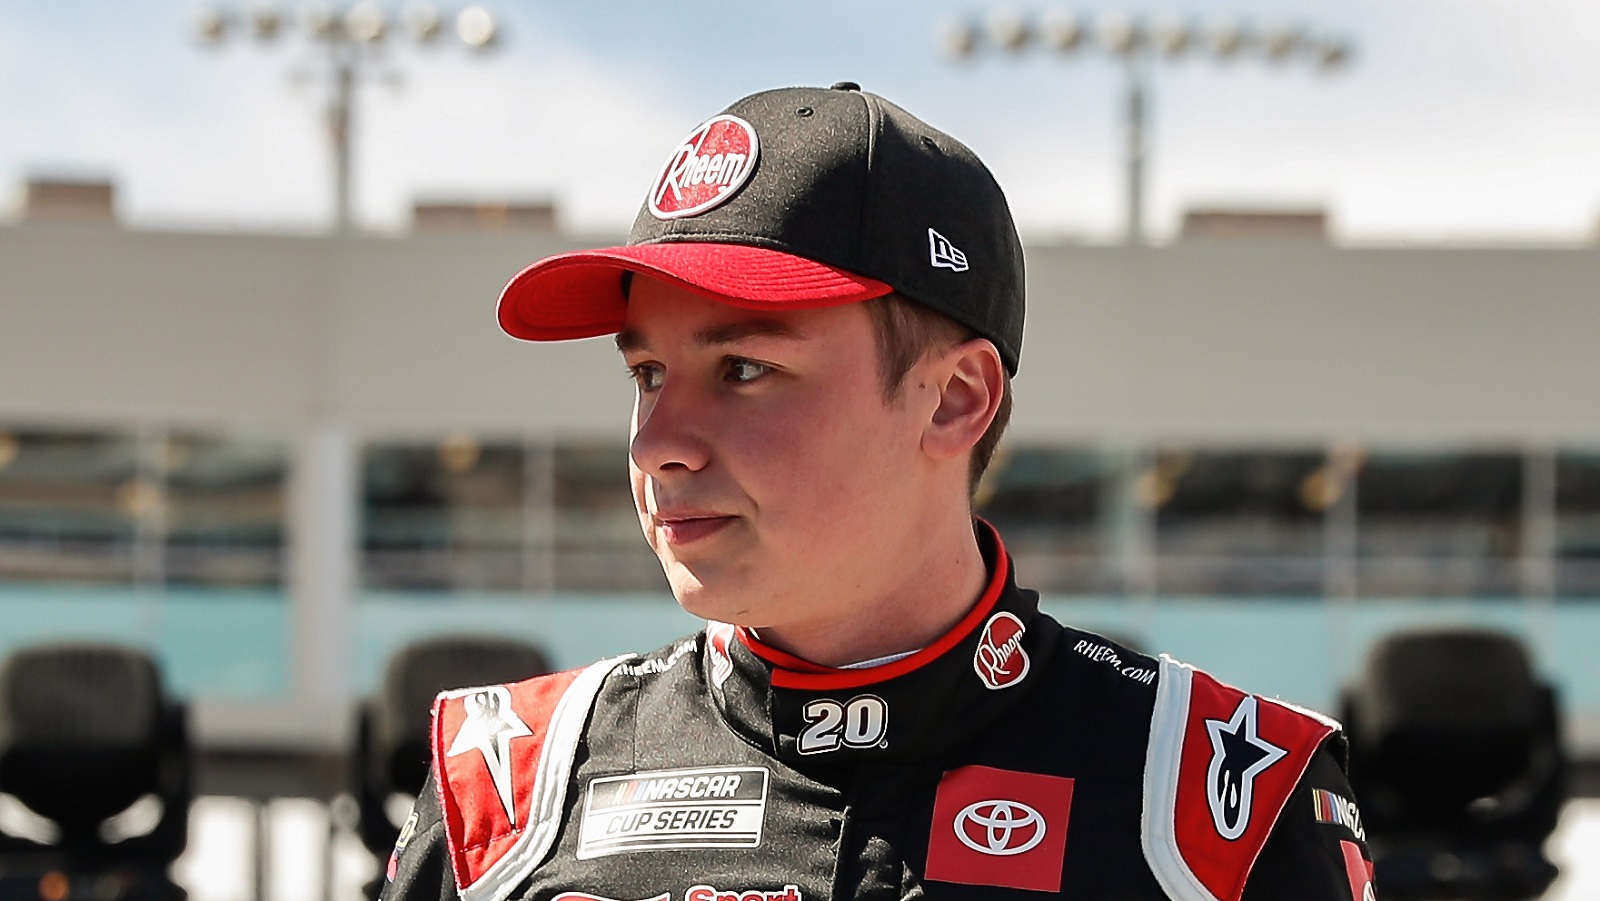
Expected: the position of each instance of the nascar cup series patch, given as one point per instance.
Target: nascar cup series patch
(715, 807)
(708, 167)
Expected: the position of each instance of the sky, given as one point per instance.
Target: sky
(1457, 121)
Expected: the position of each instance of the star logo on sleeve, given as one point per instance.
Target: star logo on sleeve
(1238, 755)
(490, 726)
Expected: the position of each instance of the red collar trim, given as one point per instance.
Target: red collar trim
(792, 672)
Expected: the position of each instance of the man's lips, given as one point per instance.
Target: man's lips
(681, 529)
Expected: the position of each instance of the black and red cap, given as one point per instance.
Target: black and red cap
(800, 198)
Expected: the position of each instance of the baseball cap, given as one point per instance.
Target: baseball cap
(799, 198)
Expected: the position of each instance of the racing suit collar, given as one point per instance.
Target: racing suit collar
(789, 671)
(913, 709)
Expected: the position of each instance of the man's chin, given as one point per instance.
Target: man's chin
(696, 601)
(702, 594)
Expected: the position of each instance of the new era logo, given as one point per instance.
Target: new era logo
(944, 254)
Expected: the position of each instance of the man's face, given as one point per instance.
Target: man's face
(772, 478)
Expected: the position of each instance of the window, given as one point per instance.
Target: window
(1578, 525)
(445, 515)
(1439, 524)
(598, 542)
(224, 513)
(1053, 507)
(1232, 522)
(461, 515)
(74, 507)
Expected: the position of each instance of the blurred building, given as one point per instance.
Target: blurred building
(70, 200)
(274, 459)
(478, 216)
(1247, 224)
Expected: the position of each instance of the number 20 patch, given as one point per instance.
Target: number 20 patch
(861, 722)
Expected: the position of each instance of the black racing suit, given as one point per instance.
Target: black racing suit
(1014, 758)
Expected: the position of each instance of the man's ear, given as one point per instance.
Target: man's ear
(971, 380)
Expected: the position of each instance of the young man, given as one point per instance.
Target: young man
(821, 304)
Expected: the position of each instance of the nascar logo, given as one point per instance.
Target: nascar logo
(717, 785)
(1331, 808)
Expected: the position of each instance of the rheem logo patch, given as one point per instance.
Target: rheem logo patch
(717, 637)
(1000, 660)
(709, 166)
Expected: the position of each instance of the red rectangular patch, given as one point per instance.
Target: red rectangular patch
(1359, 869)
(1001, 828)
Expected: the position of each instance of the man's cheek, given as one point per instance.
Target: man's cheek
(640, 505)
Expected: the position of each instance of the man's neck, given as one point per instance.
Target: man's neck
(948, 577)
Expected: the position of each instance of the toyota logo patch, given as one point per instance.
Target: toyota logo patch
(982, 834)
(1000, 828)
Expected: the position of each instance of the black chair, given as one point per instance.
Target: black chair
(391, 755)
(1457, 764)
(90, 742)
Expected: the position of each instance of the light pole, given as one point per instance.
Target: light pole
(352, 38)
(1137, 45)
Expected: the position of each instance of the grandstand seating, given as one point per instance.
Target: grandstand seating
(90, 743)
(391, 755)
(1456, 757)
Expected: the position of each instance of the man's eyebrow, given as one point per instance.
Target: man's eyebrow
(629, 339)
(749, 328)
(632, 340)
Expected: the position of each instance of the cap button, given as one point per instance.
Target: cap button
(845, 86)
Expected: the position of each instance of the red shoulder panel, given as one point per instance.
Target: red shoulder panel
(1242, 757)
(486, 747)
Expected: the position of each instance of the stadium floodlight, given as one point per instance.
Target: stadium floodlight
(1332, 54)
(351, 36)
(1227, 38)
(1121, 34)
(957, 38)
(1008, 30)
(366, 22)
(423, 21)
(1061, 31)
(1172, 36)
(1279, 40)
(476, 27)
(211, 25)
(319, 21)
(265, 22)
(1137, 45)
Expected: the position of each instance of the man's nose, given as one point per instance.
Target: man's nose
(668, 430)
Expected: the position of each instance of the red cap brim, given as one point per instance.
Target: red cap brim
(579, 295)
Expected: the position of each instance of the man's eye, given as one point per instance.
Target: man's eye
(647, 376)
(741, 370)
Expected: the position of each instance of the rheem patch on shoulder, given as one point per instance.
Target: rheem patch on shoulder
(708, 167)
(1220, 767)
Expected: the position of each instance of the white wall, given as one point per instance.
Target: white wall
(1260, 341)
